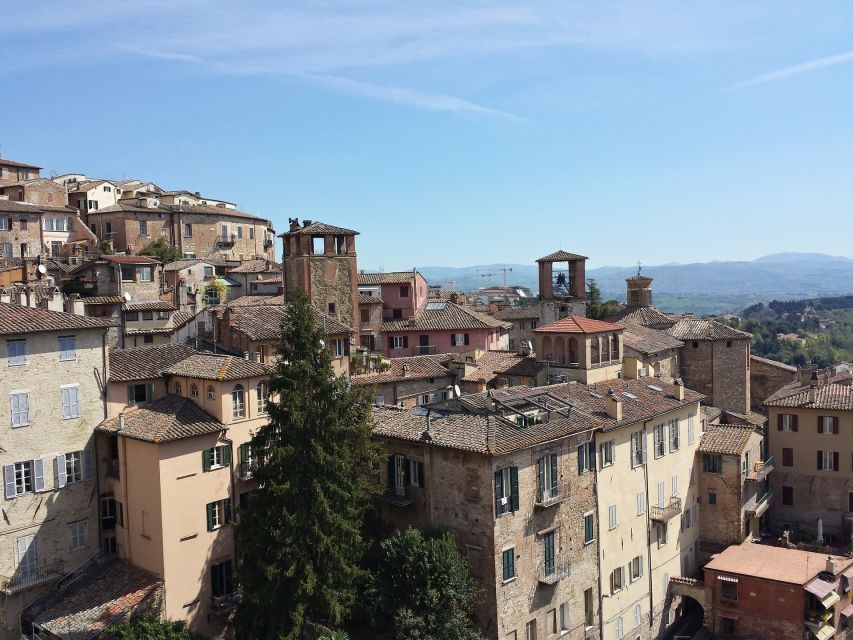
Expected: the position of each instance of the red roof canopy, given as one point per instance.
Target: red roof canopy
(579, 324)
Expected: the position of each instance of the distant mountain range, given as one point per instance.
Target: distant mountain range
(703, 287)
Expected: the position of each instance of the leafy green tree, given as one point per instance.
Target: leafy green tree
(162, 250)
(301, 533)
(596, 308)
(423, 587)
(105, 248)
(215, 291)
(150, 629)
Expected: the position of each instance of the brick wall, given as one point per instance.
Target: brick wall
(26, 229)
(766, 378)
(720, 370)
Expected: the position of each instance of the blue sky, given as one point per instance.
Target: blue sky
(459, 133)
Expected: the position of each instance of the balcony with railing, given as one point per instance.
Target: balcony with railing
(758, 504)
(226, 241)
(32, 577)
(554, 571)
(400, 497)
(666, 512)
(225, 603)
(551, 495)
(425, 349)
(246, 469)
(760, 470)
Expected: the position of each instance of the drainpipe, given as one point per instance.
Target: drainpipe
(596, 519)
(648, 526)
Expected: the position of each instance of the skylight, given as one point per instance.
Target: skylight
(435, 306)
(630, 395)
(655, 388)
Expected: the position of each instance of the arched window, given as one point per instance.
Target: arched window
(178, 388)
(194, 390)
(238, 402)
(210, 392)
(262, 396)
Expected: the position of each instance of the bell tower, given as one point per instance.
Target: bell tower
(562, 286)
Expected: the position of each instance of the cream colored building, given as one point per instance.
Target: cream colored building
(582, 349)
(175, 466)
(50, 403)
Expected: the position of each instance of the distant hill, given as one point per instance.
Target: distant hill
(702, 287)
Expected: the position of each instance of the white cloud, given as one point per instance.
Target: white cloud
(795, 70)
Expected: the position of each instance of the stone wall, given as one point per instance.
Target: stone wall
(722, 523)
(766, 377)
(25, 229)
(333, 280)
(720, 370)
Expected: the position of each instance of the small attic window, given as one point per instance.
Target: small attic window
(318, 245)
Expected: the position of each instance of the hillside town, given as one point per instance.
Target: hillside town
(632, 474)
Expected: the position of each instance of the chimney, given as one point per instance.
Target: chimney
(5, 296)
(75, 305)
(294, 223)
(306, 223)
(812, 394)
(831, 566)
(406, 370)
(807, 374)
(245, 355)
(679, 389)
(526, 348)
(614, 406)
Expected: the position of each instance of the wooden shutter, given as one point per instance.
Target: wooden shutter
(540, 473)
(467, 339)
(9, 480)
(591, 455)
(88, 467)
(581, 451)
(795, 422)
(149, 393)
(74, 401)
(835, 461)
(407, 472)
(61, 475)
(613, 451)
(405, 342)
(513, 478)
(779, 422)
(205, 459)
(226, 455)
(498, 491)
(820, 460)
(131, 395)
(819, 423)
(211, 507)
(38, 474)
(226, 509)
(390, 342)
(553, 471)
(835, 425)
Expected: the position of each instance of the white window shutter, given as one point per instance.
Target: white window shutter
(38, 474)
(74, 401)
(66, 403)
(61, 475)
(644, 436)
(613, 451)
(24, 407)
(641, 566)
(9, 480)
(16, 410)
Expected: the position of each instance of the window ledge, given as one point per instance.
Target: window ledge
(68, 359)
(508, 580)
(18, 364)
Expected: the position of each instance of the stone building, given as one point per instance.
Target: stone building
(12, 171)
(759, 591)
(370, 309)
(20, 230)
(639, 309)
(257, 277)
(562, 286)
(524, 320)
(766, 377)
(650, 353)
(529, 539)
(53, 364)
(402, 293)
(37, 191)
(580, 348)
(715, 362)
(479, 371)
(174, 466)
(409, 382)
(200, 231)
(810, 431)
(733, 486)
(320, 261)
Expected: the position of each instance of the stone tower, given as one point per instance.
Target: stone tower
(320, 261)
(562, 286)
(639, 290)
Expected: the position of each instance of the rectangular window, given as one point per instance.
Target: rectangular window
(508, 564)
(240, 232)
(143, 227)
(641, 503)
(661, 534)
(67, 348)
(17, 350)
(27, 557)
(218, 514)
(827, 425)
(787, 457)
(617, 580)
(712, 463)
(564, 617)
(548, 547)
(506, 490)
(619, 628)
(712, 497)
(73, 467)
(588, 528)
(547, 474)
(364, 315)
(588, 608)
(691, 429)
(70, 401)
(399, 342)
(728, 590)
(787, 422)
(611, 517)
(5, 223)
(128, 274)
(188, 230)
(788, 496)
(635, 568)
(551, 621)
(674, 435)
(251, 233)
(145, 274)
(20, 409)
(147, 315)
(404, 291)
(208, 272)
(222, 579)
(23, 477)
(638, 445)
(139, 393)
(586, 457)
(216, 457)
(458, 339)
(827, 460)
(660, 441)
(78, 533)
(675, 485)
(608, 453)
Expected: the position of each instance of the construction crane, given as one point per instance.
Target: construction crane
(489, 276)
(505, 270)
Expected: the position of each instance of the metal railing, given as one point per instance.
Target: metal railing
(761, 469)
(558, 569)
(23, 580)
(759, 504)
(247, 469)
(425, 349)
(223, 604)
(666, 512)
(551, 495)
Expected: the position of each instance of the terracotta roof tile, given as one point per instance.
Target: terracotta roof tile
(730, 440)
(256, 301)
(561, 256)
(648, 341)
(492, 363)
(320, 229)
(443, 316)
(104, 300)
(578, 324)
(364, 298)
(263, 322)
(773, 563)
(148, 305)
(165, 420)
(645, 316)
(390, 277)
(16, 319)
(411, 368)
(256, 266)
(216, 367)
(145, 363)
(122, 259)
(517, 313)
(695, 329)
(833, 397)
(178, 265)
(13, 163)
(10, 206)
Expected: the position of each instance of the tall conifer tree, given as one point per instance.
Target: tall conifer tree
(300, 535)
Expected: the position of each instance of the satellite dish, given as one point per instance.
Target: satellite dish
(127, 296)
(456, 390)
(41, 269)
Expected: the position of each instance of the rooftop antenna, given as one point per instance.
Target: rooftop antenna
(639, 268)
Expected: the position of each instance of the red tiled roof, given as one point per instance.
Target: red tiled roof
(12, 163)
(578, 324)
(443, 316)
(561, 256)
(120, 259)
(320, 229)
(412, 368)
(170, 418)
(16, 319)
(388, 277)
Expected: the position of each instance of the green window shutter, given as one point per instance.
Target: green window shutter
(540, 472)
(553, 471)
(513, 478)
(205, 459)
(226, 454)
(241, 453)
(226, 505)
(498, 492)
(130, 395)
(210, 510)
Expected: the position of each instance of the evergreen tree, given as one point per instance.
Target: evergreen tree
(595, 307)
(423, 589)
(300, 535)
(150, 629)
